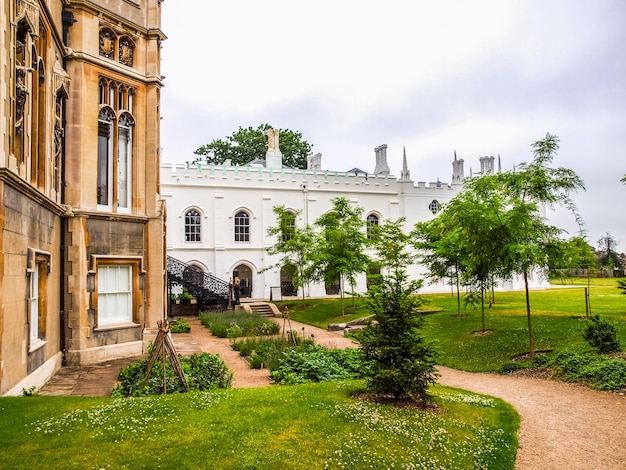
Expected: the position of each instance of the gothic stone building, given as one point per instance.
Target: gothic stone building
(81, 219)
(218, 216)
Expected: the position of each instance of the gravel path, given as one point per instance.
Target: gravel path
(563, 426)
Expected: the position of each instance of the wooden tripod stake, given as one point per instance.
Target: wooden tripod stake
(286, 321)
(164, 348)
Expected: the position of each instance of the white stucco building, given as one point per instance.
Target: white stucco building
(218, 216)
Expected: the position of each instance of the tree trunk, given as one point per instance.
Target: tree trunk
(341, 292)
(530, 326)
(458, 298)
(482, 303)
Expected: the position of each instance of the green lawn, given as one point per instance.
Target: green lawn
(311, 426)
(557, 315)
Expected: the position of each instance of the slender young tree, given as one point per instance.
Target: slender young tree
(441, 247)
(399, 361)
(339, 251)
(527, 236)
(293, 244)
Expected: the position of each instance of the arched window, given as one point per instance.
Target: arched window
(288, 225)
(115, 146)
(106, 119)
(242, 227)
(192, 226)
(372, 225)
(124, 160)
(434, 206)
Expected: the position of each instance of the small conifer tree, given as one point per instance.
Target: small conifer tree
(399, 360)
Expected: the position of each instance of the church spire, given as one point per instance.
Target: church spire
(405, 175)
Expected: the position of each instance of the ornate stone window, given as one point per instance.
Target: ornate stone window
(116, 126)
(434, 206)
(106, 120)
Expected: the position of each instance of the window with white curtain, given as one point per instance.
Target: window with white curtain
(115, 294)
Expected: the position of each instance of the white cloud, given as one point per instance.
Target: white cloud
(484, 78)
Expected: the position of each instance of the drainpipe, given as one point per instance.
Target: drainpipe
(68, 20)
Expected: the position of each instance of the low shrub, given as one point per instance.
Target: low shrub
(601, 334)
(238, 324)
(539, 360)
(263, 352)
(180, 326)
(318, 365)
(598, 371)
(510, 367)
(202, 371)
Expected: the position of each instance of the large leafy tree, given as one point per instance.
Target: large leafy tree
(293, 245)
(339, 252)
(607, 245)
(247, 144)
(399, 361)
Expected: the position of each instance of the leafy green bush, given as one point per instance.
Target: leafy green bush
(202, 371)
(180, 326)
(601, 334)
(318, 365)
(597, 371)
(238, 324)
(184, 297)
(510, 366)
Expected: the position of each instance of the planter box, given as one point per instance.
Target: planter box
(183, 309)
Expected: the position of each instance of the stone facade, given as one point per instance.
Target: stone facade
(81, 219)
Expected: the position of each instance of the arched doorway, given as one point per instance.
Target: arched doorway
(244, 273)
(333, 286)
(372, 276)
(286, 280)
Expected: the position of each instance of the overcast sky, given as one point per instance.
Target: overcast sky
(478, 77)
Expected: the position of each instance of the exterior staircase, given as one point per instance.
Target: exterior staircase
(207, 289)
(261, 308)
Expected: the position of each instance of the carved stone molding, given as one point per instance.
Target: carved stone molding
(126, 51)
(28, 10)
(61, 80)
(107, 43)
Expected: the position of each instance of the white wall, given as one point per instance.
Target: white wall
(219, 192)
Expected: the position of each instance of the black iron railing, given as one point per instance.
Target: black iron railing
(207, 289)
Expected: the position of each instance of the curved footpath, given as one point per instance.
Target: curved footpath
(563, 426)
